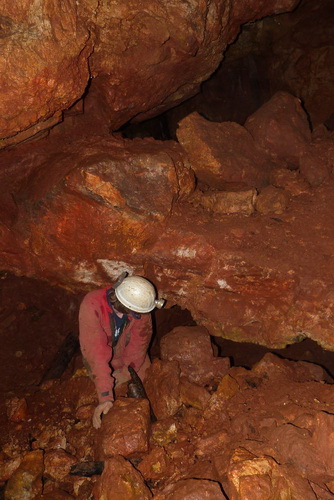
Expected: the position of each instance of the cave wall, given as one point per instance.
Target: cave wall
(131, 60)
(232, 222)
(292, 52)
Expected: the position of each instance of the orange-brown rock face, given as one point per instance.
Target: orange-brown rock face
(81, 212)
(143, 58)
(43, 65)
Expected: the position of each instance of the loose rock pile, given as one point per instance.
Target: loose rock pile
(221, 432)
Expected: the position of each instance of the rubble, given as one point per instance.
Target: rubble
(234, 433)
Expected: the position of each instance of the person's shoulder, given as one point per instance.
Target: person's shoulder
(94, 296)
(145, 319)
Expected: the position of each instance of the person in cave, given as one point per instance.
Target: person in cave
(115, 329)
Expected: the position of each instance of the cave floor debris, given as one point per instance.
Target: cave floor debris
(264, 428)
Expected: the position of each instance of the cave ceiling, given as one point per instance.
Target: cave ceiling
(232, 217)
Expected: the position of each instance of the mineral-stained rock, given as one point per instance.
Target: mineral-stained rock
(272, 200)
(129, 180)
(120, 480)
(192, 348)
(323, 439)
(314, 165)
(177, 49)
(143, 59)
(80, 391)
(144, 176)
(17, 409)
(281, 128)
(307, 448)
(273, 366)
(290, 180)
(43, 65)
(125, 428)
(193, 394)
(8, 466)
(226, 389)
(164, 431)
(192, 489)
(26, 482)
(262, 279)
(212, 445)
(57, 464)
(51, 492)
(293, 446)
(226, 202)
(156, 465)
(261, 477)
(162, 385)
(222, 152)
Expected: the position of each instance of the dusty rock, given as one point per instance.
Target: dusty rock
(120, 480)
(281, 128)
(174, 50)
(192, 489)
(314, 165)
(135, 175)
(80, 391)
(246, 280)
(162, 386)
(264, 430)
(57, 464)
(226, 389)
(222, 152)
(43, 66)
(26, 482)
(213, 445)
(289, 180)
(273, 366)
(309, 450)
(156, 465)
(54, 494)
(85, 412)
(253, 477)
(81, 440)
(227, 202)
(191, 347)
(46, 49)
(272, 200)
(17, 409)
(193, 394)
(8, 466)
(125, 428)
(164, 431)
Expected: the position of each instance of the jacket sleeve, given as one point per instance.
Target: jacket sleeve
(95, 349)
(141, 334)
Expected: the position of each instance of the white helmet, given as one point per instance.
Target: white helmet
(138, 294)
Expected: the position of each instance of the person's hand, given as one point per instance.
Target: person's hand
(101, 409)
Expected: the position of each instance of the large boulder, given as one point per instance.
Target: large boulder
(143, 58)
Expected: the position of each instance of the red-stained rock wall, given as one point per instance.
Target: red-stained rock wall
(234, 223)
(142, 58)
(85, 210)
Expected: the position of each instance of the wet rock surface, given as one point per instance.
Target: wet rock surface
(263, 430)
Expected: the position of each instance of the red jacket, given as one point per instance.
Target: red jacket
(95, 337)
